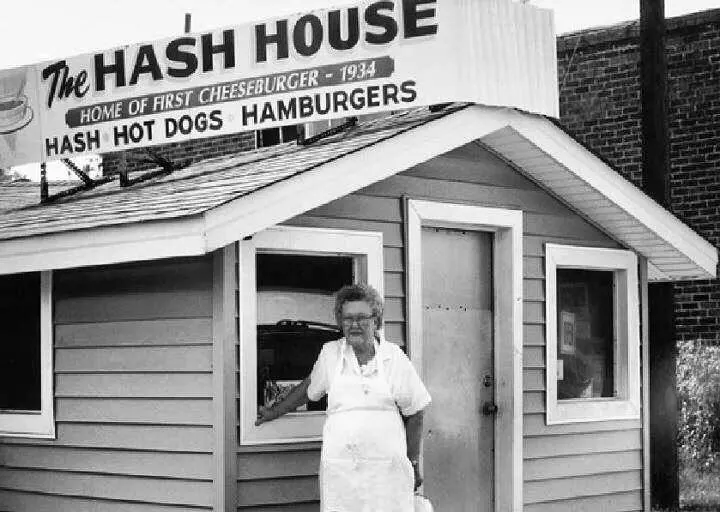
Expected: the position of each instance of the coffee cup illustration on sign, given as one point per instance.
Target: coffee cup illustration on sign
(15, 112)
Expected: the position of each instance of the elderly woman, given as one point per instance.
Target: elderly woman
(369, 459)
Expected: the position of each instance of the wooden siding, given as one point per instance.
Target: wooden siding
(133, 395)
(591, 466)
(19, 501)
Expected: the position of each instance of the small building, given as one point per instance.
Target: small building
(154, 319)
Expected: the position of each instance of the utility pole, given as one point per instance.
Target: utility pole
(664, 465)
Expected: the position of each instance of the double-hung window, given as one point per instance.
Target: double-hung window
(593, 340)
(26, 393)
(288, 278)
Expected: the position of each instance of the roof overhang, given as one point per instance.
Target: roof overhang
(533, 144)
(562, 166)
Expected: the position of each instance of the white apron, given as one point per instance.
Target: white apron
(364, 465)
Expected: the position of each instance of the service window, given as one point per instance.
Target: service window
(288, 280)
(295, 317)
(593, 346)
(26, 405)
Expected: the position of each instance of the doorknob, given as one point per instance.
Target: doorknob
(489, 408)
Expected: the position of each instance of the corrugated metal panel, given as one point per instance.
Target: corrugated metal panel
(514, 43)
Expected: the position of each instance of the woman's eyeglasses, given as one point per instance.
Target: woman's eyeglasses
(361, 320)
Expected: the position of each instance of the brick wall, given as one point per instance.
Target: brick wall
(182, 153)
(599, 77)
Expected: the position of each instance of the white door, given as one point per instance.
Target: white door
(457, 355)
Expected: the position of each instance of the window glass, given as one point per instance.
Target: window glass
(295, 300)
(585, 328)
(20, 342)
(273, 136)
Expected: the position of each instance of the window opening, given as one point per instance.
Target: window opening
(274, 136)
(20, 343)
(295, 301)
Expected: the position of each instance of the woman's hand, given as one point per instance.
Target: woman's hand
(294, 399)
(266, 414)
(413, 431)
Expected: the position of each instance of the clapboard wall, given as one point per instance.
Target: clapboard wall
(133, 395)
(593, 466)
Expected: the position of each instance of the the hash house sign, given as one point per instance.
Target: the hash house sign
(366, 58)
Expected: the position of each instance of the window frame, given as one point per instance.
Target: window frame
(38, 424)
(259, 142)
(365, 246)
(626, 314)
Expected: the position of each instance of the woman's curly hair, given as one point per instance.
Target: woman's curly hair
(363, 292)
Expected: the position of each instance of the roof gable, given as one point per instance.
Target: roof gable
(590, 187)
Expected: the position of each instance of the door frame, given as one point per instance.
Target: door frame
(506, 229)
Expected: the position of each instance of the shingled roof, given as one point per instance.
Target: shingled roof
(216, 202)
(21, 193)
(195, 189)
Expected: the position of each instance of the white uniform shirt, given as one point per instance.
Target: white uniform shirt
(407, 389)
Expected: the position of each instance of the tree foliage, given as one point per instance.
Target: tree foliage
(698, 378)
(8, 175)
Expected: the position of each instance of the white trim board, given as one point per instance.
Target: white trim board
(624, 266)
(115, 244)
(645, 369)
(224, 377)
(506, 226)
(540, 150)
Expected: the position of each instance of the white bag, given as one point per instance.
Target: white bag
(422, 504)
